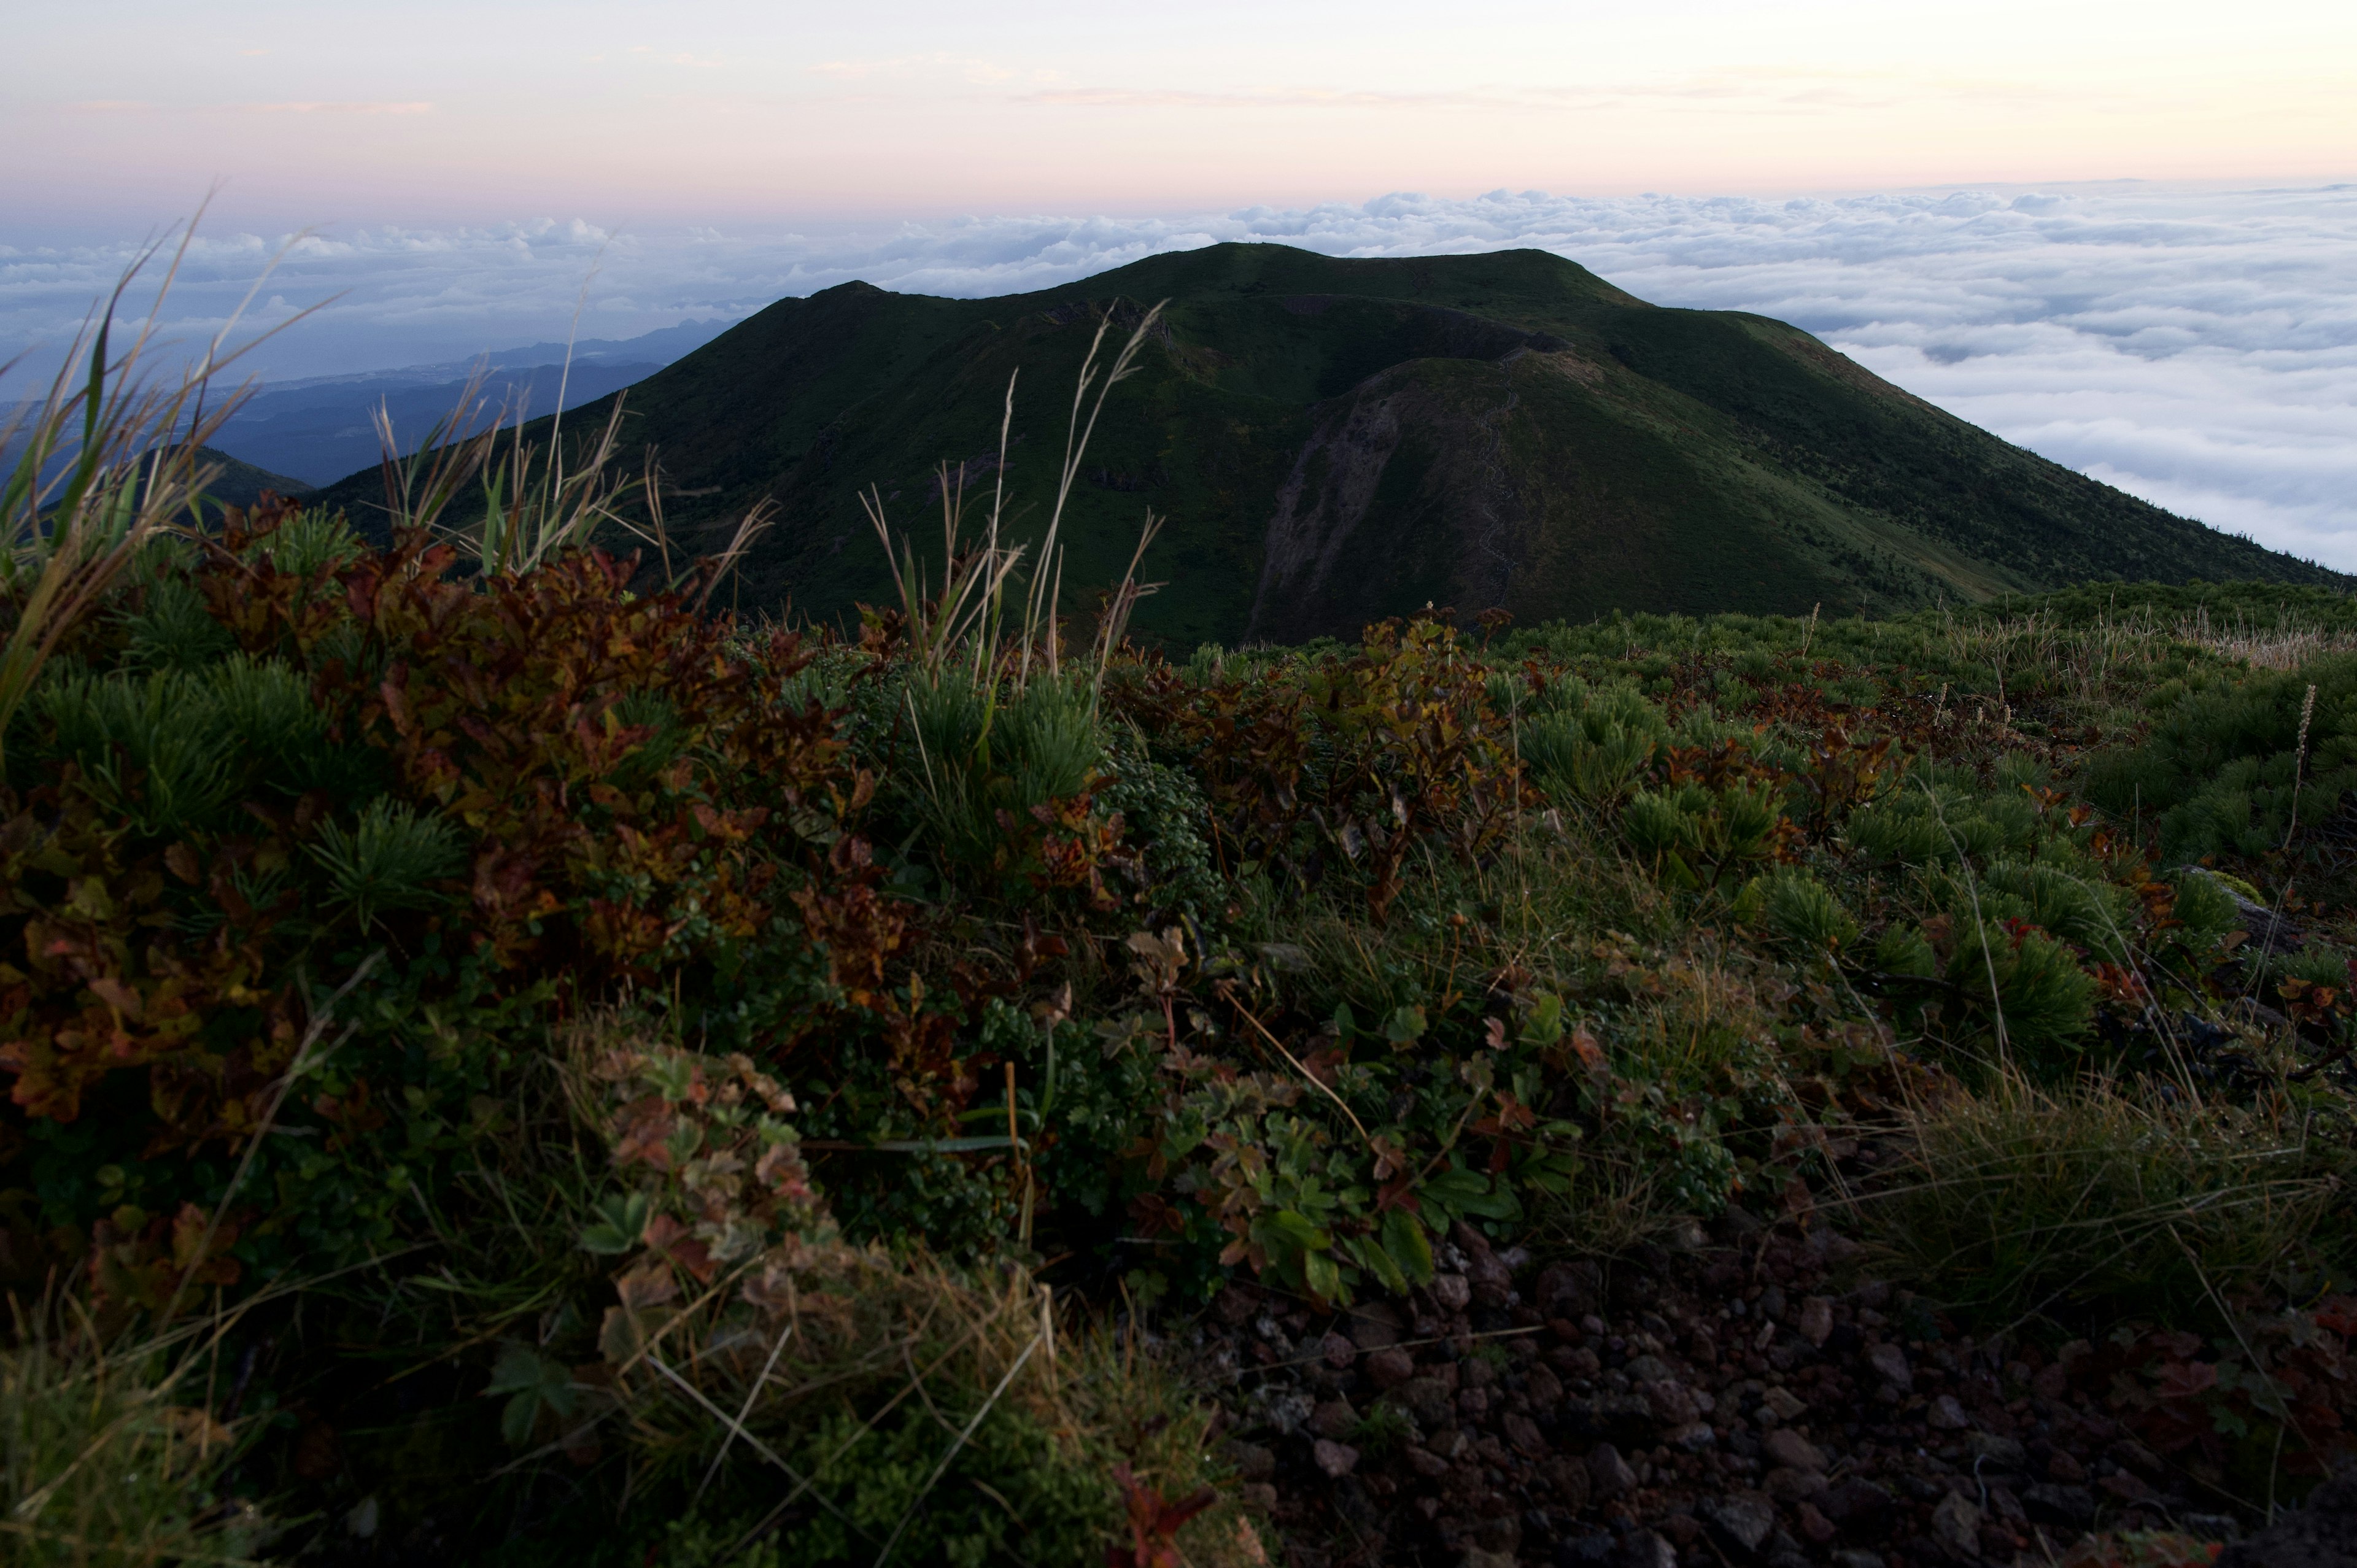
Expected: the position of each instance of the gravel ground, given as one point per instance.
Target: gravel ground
(1721, 1405)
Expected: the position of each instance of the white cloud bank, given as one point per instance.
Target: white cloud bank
(2196, 347)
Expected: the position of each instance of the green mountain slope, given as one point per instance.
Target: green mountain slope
(1338, 440)
(241, 483)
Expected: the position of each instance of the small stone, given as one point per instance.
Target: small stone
(1673, 1403)
(1335, 1418)
(1340, 1352)
(1389, 1367)
(1336, 1459)
(1856, 1560)
(1694, 1437)
(2060, 1467)
(1477, 1557)
(1524, 1433)
(1744, 1517)
(1813, 1524)
(1491, 1281)
(1609, 1474)
(1374, 1324)
(1569, 1478)
(1252, 1462)
(1817, 1319)
(1858, 1505)
(1788, 1405)
(2072, 1508)
(2126, 1485)
(1890, 1364)
(1647, 1549)
(1623, 1418)
(1566, 1290)
(1646, 1369)
(1794, 1485)
(1946, 1414)
(1426, 1463)
(1501, 1533)
(1428, 1400)
(1787, 1447)
(1451, 1293)
(1473, 1405)
(1956, 1525)
(2003, 1452)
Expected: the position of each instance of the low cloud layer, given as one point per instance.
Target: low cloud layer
(2196, 347)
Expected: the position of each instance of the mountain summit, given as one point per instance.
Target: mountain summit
(1334, 441)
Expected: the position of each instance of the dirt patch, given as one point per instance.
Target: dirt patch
(1723, 1405)
(2322, 1534)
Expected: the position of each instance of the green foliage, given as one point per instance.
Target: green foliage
(2090, 1206)
(1799, 909)
(1590, 746)
(988, 757)
(1697, 835)
(532, 1386)
(698, 962)
(391, 859)
(2223, 767)
(98, 1467)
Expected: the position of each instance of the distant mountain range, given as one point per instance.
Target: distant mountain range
(1338, 440)
(323, 428)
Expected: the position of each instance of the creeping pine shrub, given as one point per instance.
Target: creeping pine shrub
(2222, 767)
(170, 628)
(1797, 910)
(2071, 902)
(1589, 745)
(170, 750)
(390, 859)
(1996, 975)
(989, 754)
(1694, 834)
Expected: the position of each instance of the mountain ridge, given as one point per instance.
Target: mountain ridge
(1334, 440)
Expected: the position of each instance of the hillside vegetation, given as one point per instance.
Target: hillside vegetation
(1335, 441)
(510, 1062)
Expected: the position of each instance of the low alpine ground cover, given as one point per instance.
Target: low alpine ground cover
(626, 1082)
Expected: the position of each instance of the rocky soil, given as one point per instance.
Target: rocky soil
(1722, 1405)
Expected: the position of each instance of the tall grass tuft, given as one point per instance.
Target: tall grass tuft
(2101, 1202)
(108, 461)
(966, 620)
(98, 1467)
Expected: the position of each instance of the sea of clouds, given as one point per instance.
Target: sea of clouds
(2197, 347)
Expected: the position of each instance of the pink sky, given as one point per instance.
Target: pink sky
(434, 111)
